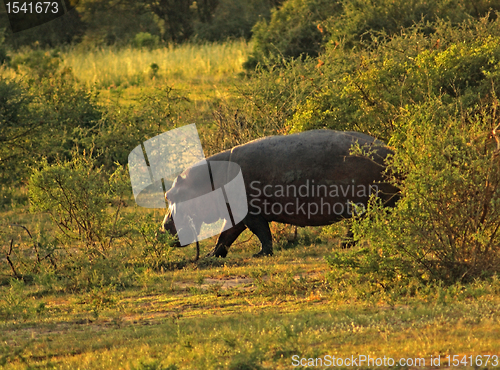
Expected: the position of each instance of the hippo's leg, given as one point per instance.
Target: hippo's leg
(260, 227)
(226, 238)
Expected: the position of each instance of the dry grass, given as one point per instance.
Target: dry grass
(111, 67)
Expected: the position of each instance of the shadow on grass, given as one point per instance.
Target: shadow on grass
(203, 263)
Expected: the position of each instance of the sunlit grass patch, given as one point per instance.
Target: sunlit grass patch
(111, 67)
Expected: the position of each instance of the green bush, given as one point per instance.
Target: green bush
(123, 127)
(92, 246)
(154, 248)
(14, 304)
(362, 20)
(37, 62)
(433, 98)
(232, 18)
(45, 114)
(445, 227)
(302, 28)
(146, 40)
(370, 90)
(14, 121)
(258, 108)
(294, 31)
(77, 196)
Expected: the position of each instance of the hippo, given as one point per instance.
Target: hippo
(304, 179)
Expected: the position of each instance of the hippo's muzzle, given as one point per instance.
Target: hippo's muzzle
(169, 226)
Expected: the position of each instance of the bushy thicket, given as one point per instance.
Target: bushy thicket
(296, 29)
(71, 152)
(445, 226)
(259, 107)
(304, 28)
(434, 98)
(76, 194)
(371, 89)
(43, 115)
(96, 238)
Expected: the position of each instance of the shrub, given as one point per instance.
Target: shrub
(77, 196)
(44, 115)
(123, 127)
(232, 19)
(154, 248)
(294, 31)
(370, 90)
(362, 20)
(446, 225)
(258, 108)
(39, 63)
(302, 28)
(14, 304)
(146, 40)
(433, 98)
(14, 120)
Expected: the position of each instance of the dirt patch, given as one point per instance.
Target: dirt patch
(230, 283)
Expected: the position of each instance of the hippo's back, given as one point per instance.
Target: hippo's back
(313, 154)
(310, 168)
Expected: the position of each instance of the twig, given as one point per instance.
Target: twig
(23, 227)
(193, 229)
(244, 241)
(494, 132)
(7, 256)
(35, 244)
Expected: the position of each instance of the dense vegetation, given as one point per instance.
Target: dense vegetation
(144, 23)
(75, 250)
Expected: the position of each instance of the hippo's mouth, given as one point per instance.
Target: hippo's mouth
(180, 224)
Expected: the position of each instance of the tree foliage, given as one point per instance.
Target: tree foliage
(117, 22)
(294, 30)
(42, 116)
(371, 89)
(304, 28)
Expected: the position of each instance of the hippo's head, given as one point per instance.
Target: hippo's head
(169, 226)
(188, 204)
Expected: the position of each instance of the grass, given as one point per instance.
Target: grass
(110, 67)
(182, 319)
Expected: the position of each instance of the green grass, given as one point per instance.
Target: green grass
(237, 313)
(110, 67)
(185, 318)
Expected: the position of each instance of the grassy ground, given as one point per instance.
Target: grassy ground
(186, 64)
(245, 313)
